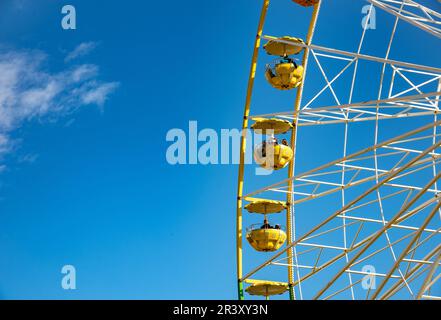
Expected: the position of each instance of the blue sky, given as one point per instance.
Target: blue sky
(84, 179)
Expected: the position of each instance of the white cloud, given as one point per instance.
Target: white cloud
(98, 93)
(84, 72)
(5, 144)
(81, 50)
(28, 90)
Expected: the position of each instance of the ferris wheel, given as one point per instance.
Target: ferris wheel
(362, 222)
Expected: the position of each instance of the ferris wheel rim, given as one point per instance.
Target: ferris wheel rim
(291, 247)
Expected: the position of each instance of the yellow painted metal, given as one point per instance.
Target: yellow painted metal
(297, 104)
(266, 240)
(285, 76)
(271, 125)
(266, 206)
(243, 144)
(283, 49)
(259, 281)
(276, 157)
(267, 288)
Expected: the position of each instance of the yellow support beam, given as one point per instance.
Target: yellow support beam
(243, 145)
(289, 199)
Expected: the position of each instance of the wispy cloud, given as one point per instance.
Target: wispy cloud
(28, 158)
(28, 90)
(5, 144)
(81, 50)
(92, 93)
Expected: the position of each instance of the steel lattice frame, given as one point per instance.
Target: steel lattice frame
(403, 240)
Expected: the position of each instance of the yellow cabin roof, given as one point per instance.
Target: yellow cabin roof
(278, 126)
(267, 288)
(265, 206)
(275, 48)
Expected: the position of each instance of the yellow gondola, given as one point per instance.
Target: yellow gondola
(273, 156)
(266, 238)
(284, 75)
